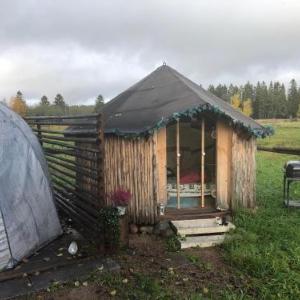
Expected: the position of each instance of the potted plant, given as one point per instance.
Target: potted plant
(120, 198)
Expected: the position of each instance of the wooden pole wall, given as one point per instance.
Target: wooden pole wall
(243, 171)
(131, 164)
(136, 165)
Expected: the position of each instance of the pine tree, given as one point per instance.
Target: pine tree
(99, 103)
(221, 91)
(59, 100)
(269, 102)
(279, 100)
(298, 112)
(256, 103)
(44, 101)
(293, 99)
(232, 90)
(283, 107)
(212, 89)
(261, 95)
(60, 106)
(248, 92)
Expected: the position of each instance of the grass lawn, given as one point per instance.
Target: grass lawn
(287, 133)
(266, 248)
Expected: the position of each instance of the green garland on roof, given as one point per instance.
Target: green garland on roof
(194, 112)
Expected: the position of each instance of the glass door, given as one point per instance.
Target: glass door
(185, 158)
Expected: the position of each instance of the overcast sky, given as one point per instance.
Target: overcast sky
(82, 48)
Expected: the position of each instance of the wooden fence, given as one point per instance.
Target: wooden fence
(73, 147)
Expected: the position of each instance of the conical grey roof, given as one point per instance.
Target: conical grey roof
(162, 95)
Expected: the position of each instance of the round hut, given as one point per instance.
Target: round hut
(178, 148)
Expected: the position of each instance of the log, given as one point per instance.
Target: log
(282, 150)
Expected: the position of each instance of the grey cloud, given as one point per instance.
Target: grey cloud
(83, 48)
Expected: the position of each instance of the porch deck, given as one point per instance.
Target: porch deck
(193, 213)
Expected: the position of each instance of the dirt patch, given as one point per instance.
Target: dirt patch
(148, 271)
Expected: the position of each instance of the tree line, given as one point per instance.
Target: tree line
(262, 101)
(58, 107)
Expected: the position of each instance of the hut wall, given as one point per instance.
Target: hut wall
(243, 192)
(131, 164)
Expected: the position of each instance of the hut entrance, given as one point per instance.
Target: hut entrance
(191, 164)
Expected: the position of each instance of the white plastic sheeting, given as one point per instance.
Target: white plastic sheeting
(26, 201)
(5, 256)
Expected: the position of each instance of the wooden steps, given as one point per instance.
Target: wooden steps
(202, 241)
(193, 213)
(201, 232)
(200, 226)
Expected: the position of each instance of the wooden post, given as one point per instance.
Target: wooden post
(178, 164)
(202, 162)
(224, 163)
(161, 154)
(100, 161)
(39, 133)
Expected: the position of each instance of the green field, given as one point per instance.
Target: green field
(287, 133)
(266, 248)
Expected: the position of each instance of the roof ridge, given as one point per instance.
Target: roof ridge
(183, 79)
(221, 102)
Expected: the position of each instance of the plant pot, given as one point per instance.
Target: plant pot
(162, 208)
(121, 210)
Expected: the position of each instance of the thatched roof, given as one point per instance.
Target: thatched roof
(163, 96)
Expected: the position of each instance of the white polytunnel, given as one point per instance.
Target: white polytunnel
(28, 216)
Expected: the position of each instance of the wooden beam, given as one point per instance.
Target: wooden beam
(283, 150)
(202, 162)
(224, 158)
(178, 163)
(161, 154)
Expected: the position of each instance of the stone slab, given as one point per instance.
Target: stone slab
(295, 204)
(204, 241)
(200, 226)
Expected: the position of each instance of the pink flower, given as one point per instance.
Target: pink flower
(120, 197)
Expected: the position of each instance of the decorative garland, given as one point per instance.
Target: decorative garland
(191, 113)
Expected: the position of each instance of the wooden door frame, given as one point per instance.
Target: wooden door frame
(202, 167)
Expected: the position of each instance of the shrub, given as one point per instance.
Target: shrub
(109, 227)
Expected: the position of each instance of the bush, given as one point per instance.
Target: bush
(109, 227)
